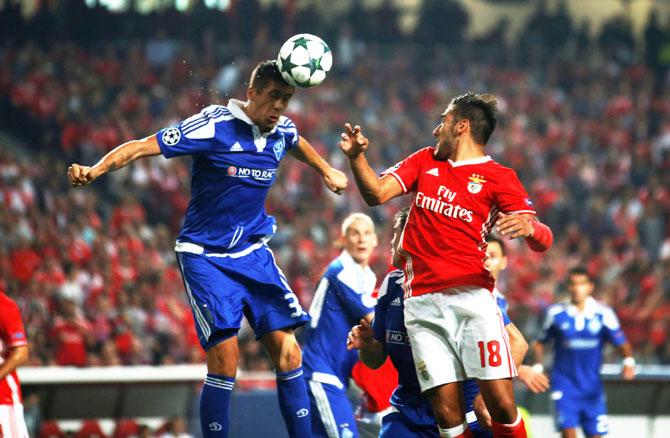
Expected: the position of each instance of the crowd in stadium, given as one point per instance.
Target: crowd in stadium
(94, 271)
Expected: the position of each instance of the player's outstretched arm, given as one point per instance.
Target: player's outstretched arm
(17, 357)
(119, 157)
(370, 351)
(517, 343)
(538, 236)
(628, 372)
(375, 191)
(335, 180)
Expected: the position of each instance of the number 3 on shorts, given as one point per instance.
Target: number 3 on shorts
(493, 350)
(294, 304)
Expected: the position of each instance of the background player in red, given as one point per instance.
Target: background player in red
(453, 322)
(13, 353)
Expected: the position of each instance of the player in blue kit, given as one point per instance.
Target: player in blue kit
(226, 265)
(579, 329)
(342, 298)
(388, 336)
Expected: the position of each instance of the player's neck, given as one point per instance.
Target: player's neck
(467, 150)
(579, 306)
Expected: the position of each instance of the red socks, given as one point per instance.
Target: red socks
(514, 430)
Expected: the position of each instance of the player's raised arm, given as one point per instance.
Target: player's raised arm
(538, 236)
(119, 157)
(375, 191)
(335, 180)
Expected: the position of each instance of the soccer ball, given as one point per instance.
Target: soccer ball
(304, 60)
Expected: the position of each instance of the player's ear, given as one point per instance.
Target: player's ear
(503, 263)
(251, 92)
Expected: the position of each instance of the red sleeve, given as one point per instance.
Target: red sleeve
(511, 197)
(11, 327)
(407, 170)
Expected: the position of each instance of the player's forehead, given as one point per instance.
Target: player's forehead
(494, 248)
(359, 225)
(449, 111)
(278, 87)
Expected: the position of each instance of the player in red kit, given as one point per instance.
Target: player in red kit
(453, 322)
(13, 353)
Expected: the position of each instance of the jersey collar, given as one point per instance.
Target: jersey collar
(479, 160)
(235, 107)
(589, 308)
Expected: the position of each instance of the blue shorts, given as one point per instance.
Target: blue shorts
(222, 289)
(332, 414)
(590, 413)
(397, 425)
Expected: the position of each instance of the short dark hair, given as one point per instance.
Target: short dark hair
(264, 73)
(480, 111)
(491, 238)
(400, 218)
(580, 270)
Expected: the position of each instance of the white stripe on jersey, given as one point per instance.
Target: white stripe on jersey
(319, 298)
(325, 411)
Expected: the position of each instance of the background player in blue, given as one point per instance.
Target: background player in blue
(342, 298)
(227, 268)
(414, 416)
(579, 329)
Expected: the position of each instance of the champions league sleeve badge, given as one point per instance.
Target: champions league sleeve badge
(171, 136)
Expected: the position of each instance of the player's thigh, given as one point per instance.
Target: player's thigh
(565, 411)
(332, 414)
(396, 425)
(270, 304)
(593, 416)
(216, 298)
(483, 342)
(12, 423)
(431, 326)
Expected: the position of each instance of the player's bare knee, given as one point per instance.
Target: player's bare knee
(504, 410)
(290, 356)
(222, 358)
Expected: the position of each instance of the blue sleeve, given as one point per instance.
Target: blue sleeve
(193, 135)
(290, 132)
(505, 316)
(356, 304)
(612, 329)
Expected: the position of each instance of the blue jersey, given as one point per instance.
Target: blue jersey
(502, 303)
(389, 329)
(342, 298)
(579, 338)
(234, 165)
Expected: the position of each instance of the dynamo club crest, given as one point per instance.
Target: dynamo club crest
(278, 148)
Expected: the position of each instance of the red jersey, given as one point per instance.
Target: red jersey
(455, 206)
(12, 335)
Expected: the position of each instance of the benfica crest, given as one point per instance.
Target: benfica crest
(476, 183)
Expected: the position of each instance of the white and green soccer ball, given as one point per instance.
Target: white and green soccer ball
(304, 60)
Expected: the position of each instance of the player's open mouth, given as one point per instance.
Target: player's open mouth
(274, 119)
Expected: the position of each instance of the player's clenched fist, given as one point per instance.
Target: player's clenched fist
(361, 337)
(353, 141)
(80, 175)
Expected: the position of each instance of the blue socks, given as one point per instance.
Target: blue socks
(215, 404)
(294, 403)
